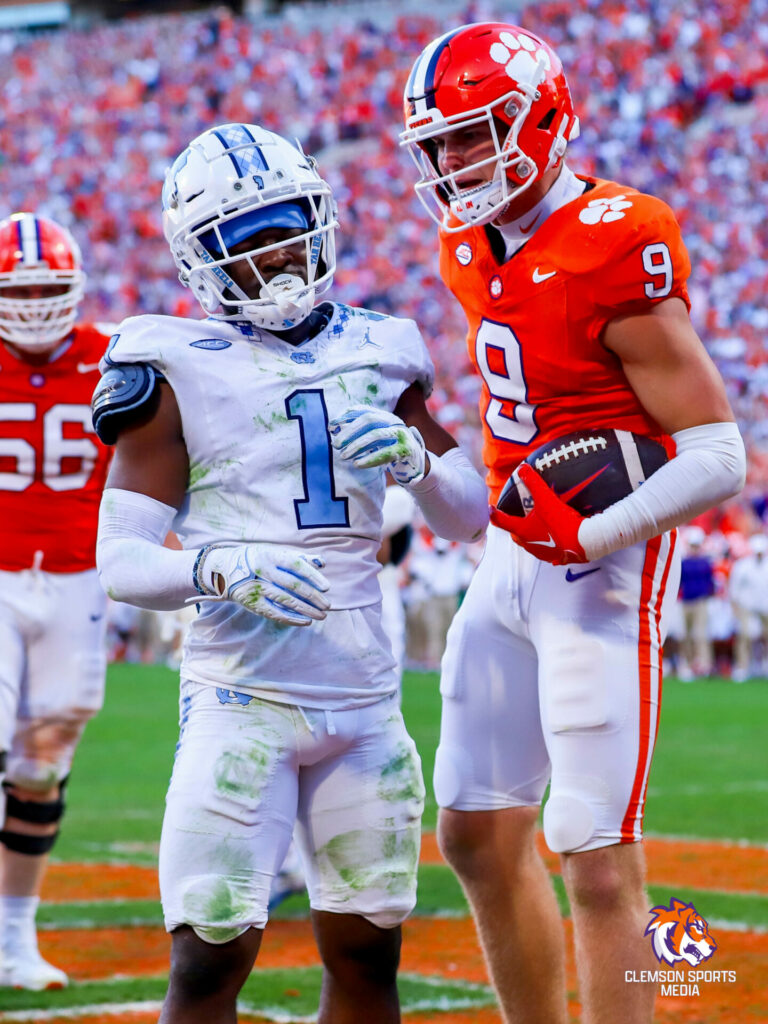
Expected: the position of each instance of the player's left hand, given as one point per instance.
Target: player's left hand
(550, 531)
(374, 437)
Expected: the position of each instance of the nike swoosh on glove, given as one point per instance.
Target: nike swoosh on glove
(550, 531)
(374, 437)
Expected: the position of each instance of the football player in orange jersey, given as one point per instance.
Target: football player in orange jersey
(52, 608)
(574, 291)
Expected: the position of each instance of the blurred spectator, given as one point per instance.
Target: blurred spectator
(749, 596)
(673, 99)
(697, 586)
(399, 510)
(438, 574)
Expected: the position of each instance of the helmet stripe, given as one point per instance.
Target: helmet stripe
(245, 160)
(421, 83)
(28, 230)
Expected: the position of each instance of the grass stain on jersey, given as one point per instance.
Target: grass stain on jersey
(345, 857)
(197, 472)
(241, 774)
(211, 901)
(275, 419)
(402, 859)
(401, 777)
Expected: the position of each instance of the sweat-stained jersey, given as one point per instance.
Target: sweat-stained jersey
(52, 465)
(255, 412)
(536, 320)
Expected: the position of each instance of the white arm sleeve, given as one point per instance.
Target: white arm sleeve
(710, 466)
(452, 497)
(133, 565)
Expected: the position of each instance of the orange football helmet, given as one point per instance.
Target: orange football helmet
(41, 281)
(489, 74)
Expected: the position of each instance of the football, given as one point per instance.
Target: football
(590, 470)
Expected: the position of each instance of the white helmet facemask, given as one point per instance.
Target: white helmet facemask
(39, 323)
(230, 184)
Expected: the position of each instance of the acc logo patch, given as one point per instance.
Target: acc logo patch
(302, 357)
(679, 932)
(212, 344)
(464, 253)
(495, 287)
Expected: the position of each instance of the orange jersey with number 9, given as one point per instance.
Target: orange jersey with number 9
(536, 321)
(52, 465)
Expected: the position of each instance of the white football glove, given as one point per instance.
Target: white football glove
(279, 583)
(375, 437)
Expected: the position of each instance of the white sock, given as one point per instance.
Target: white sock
(17, 924)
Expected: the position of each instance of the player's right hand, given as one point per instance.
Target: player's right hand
(280, 583)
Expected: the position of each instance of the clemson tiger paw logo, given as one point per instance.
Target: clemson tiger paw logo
(604, 210)
(520, 56)
(679, 932)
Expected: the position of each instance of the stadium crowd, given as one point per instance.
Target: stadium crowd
(673, 99)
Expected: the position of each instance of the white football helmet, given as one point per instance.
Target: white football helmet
(38, 256)
(230, 183)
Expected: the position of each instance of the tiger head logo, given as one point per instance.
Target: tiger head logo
(680, 933)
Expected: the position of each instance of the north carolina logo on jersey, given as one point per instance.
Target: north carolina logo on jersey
(604, 210)
(679, 932)
(495, 287)
(464, 254)
(211, 344)
(233, 697)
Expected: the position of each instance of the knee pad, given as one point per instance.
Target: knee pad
(36, 775)
(568, 822)
(48, 812)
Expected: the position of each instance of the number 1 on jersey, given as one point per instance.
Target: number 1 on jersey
(499, 360)
(319, 506)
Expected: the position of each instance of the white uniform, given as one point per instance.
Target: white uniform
(552, 674)
(265, 705)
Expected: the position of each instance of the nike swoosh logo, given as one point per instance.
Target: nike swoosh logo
(525, 231)
(538, 278)
(573, 491)
(87, 367)
(544, 543)
(571, 575)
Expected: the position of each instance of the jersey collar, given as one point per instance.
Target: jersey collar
(517, 232)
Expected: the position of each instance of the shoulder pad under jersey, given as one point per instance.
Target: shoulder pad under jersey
(123, 390)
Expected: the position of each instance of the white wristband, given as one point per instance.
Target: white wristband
(452, 497)
(709, 467)
(133, 564)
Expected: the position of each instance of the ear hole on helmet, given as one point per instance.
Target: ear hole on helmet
(547, 120)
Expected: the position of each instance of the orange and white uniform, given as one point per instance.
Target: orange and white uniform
(536, 320)
(52, 609)
(541, 657)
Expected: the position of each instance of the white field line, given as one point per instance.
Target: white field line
(273, 1013)
(73, 1012)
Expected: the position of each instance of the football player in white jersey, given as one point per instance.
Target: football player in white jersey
(261, 435)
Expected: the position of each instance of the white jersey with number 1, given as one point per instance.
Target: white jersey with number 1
(255, 412)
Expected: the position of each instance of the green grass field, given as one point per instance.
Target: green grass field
(708, 780)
